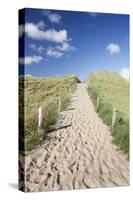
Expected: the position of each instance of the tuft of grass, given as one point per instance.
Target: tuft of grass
(51, 119)
(41, 92)
(113, 91)
(31, 141)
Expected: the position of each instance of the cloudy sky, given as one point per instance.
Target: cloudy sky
(64, 42)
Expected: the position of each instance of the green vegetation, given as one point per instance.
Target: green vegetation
(44, 92)
(113, 91)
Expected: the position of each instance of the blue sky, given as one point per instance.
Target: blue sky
(65, 42)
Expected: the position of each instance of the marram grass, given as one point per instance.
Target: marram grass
(41, 92)
(113, 92)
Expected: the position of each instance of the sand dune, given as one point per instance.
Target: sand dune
(78, 154)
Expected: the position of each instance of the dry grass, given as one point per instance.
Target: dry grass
(113, 91)
(44, 92)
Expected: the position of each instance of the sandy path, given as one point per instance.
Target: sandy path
(80, 155)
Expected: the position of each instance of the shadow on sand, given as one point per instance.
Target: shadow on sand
(69, 109)
(58, 128)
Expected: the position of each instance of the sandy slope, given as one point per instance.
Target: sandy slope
(78, 155)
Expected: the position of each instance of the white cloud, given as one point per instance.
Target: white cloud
(53, 17)
(41, 25)
(39, 49)
(53, 52)
(59, 50)
(30, 59)
(32, 46)
(125, 73)
(113, 48)
(25, 75)
(33, 31)
(93, 14)
(65, 47)
(21, 30)
(28, 75)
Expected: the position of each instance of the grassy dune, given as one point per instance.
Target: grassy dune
(42, 92)
(113, 91)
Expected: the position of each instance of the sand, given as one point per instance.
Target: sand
(78, 154)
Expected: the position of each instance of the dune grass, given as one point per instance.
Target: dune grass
(113, 92)
(41, 92)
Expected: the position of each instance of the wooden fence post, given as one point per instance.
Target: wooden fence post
(59, 104)
(114, 117)
(98, 99)
(39, 119)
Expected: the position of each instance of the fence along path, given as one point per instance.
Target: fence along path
(78, 154)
